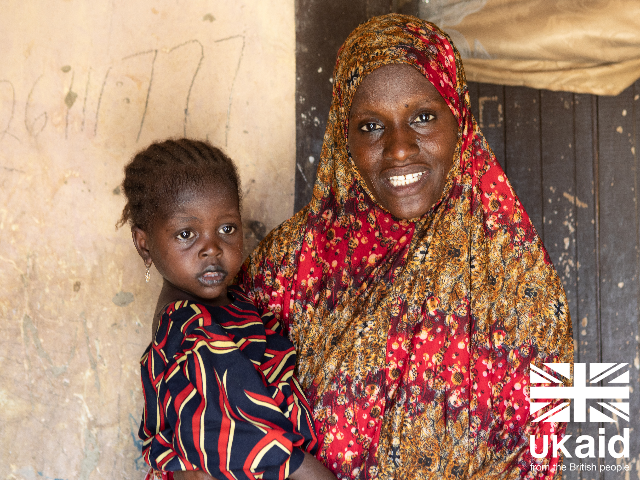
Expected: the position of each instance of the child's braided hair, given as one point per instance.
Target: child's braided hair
(157, 175)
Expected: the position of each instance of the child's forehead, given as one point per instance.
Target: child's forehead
(216, 194)
(201, 187)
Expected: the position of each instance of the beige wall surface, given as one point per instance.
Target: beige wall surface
(83, 86)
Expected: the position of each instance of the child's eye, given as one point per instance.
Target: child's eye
(186, 235)
(370, 127)
(424, 117)
(227, 229)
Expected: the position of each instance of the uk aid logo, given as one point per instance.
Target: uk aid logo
(607, 403)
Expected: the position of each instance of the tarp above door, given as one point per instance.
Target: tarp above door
(584, 46)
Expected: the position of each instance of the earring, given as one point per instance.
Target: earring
(147, 275)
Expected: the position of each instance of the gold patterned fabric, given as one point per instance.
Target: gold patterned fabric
(414, 337)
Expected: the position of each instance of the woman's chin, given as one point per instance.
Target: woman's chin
(409, 202)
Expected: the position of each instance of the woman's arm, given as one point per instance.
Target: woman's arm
(311, 469)
(192, 475)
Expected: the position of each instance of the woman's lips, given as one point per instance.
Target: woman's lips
(402, 180)
(212, 276)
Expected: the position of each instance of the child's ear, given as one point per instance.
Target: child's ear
(141, 241)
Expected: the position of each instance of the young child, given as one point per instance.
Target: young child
(220, 396)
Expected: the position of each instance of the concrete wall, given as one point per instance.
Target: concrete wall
(83, 86)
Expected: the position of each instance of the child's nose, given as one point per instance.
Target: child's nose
(210, 247)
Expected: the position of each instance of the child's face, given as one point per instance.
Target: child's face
(197, 246)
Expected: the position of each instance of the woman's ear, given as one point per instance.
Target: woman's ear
(141, 241)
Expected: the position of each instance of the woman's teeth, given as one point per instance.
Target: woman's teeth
(405, 179)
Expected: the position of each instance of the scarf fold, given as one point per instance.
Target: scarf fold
(414, 337)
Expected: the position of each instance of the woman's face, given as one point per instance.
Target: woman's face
(402, 136)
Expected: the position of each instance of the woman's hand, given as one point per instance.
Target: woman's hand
(311, 469)
(192, 475)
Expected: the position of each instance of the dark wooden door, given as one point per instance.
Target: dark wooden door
(572, 160)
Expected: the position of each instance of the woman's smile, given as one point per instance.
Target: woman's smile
(408, 179)
(402, 136)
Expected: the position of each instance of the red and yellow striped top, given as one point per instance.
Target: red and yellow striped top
(220, 394)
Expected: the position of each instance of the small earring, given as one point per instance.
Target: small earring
(147, 275)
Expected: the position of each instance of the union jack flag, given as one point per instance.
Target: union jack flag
(580, 392)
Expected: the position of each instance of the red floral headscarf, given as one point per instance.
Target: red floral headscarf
(414, 337)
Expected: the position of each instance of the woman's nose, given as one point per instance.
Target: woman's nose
(400, 144)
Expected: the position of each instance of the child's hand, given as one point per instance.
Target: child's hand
(311, 469)
(192, 475)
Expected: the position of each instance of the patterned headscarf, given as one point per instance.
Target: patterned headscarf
(415, 336)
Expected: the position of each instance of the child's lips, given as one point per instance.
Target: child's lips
(212, 276)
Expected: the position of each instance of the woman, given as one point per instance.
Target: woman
(413, 285)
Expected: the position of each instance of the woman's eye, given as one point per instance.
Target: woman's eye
(227, 229)
(370, 127)
(424, 117)
(186, 235)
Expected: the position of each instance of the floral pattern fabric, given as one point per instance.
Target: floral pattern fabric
(414, 337)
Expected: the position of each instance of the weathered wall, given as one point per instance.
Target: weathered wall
(83, 86)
